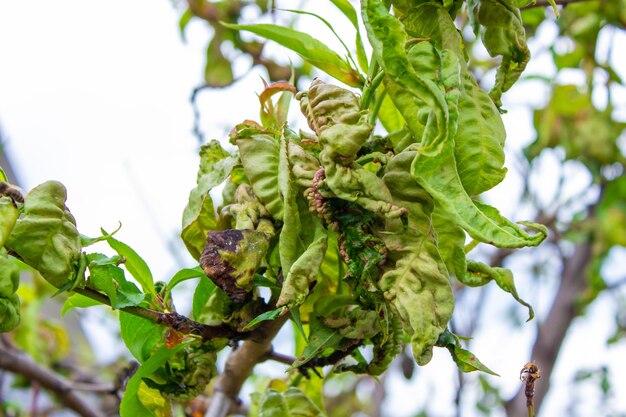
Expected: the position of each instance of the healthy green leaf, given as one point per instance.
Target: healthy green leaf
(140, 335)
(78, 301)
(199, 214)
(268, 315)
(135, 264)
(201, 295)
(86, 241)
(131, 406)
(309, 48)
(46, 237)
(182, 275)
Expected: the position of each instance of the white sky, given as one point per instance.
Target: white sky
(96, 95)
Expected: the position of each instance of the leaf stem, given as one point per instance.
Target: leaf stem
(372, 74)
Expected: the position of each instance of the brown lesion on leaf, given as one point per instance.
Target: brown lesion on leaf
(231, 258)
(216, 268)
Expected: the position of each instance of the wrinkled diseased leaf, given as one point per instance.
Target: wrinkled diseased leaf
(312, 50)
(484, 223)
(291, 403)
(46, 237)
(451, 243)
(414, 91)
(304, 270)
(199, 214)
(9, 301)
(259, 156)
(335, 116)
(231, 258)
(479, 142)
(503, 35)
(186, 374)
(417, 285)
(8, 217)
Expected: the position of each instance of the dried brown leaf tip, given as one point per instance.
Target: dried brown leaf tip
(231, 258)
(529, 374)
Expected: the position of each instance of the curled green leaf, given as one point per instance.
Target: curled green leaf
(334, 115)
(416, 284)
(465, 360)
(503, 35)
(388, 38)
(259, 156)
(8, 217)
(9, 301)
(45, 237)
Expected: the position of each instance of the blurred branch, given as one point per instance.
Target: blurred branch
(552, 332)
(18, 363)
(546, 3)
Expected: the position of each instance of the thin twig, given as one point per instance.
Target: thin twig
(546, 3)
(104, 388)
(279, 357)
(18, 363)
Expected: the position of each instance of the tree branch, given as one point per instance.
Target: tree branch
(546, 3)
(239, 366)
(18, 363)
(175, 321)
(552, 332)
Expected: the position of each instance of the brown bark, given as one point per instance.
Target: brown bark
(552, 332)
(239, 367)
